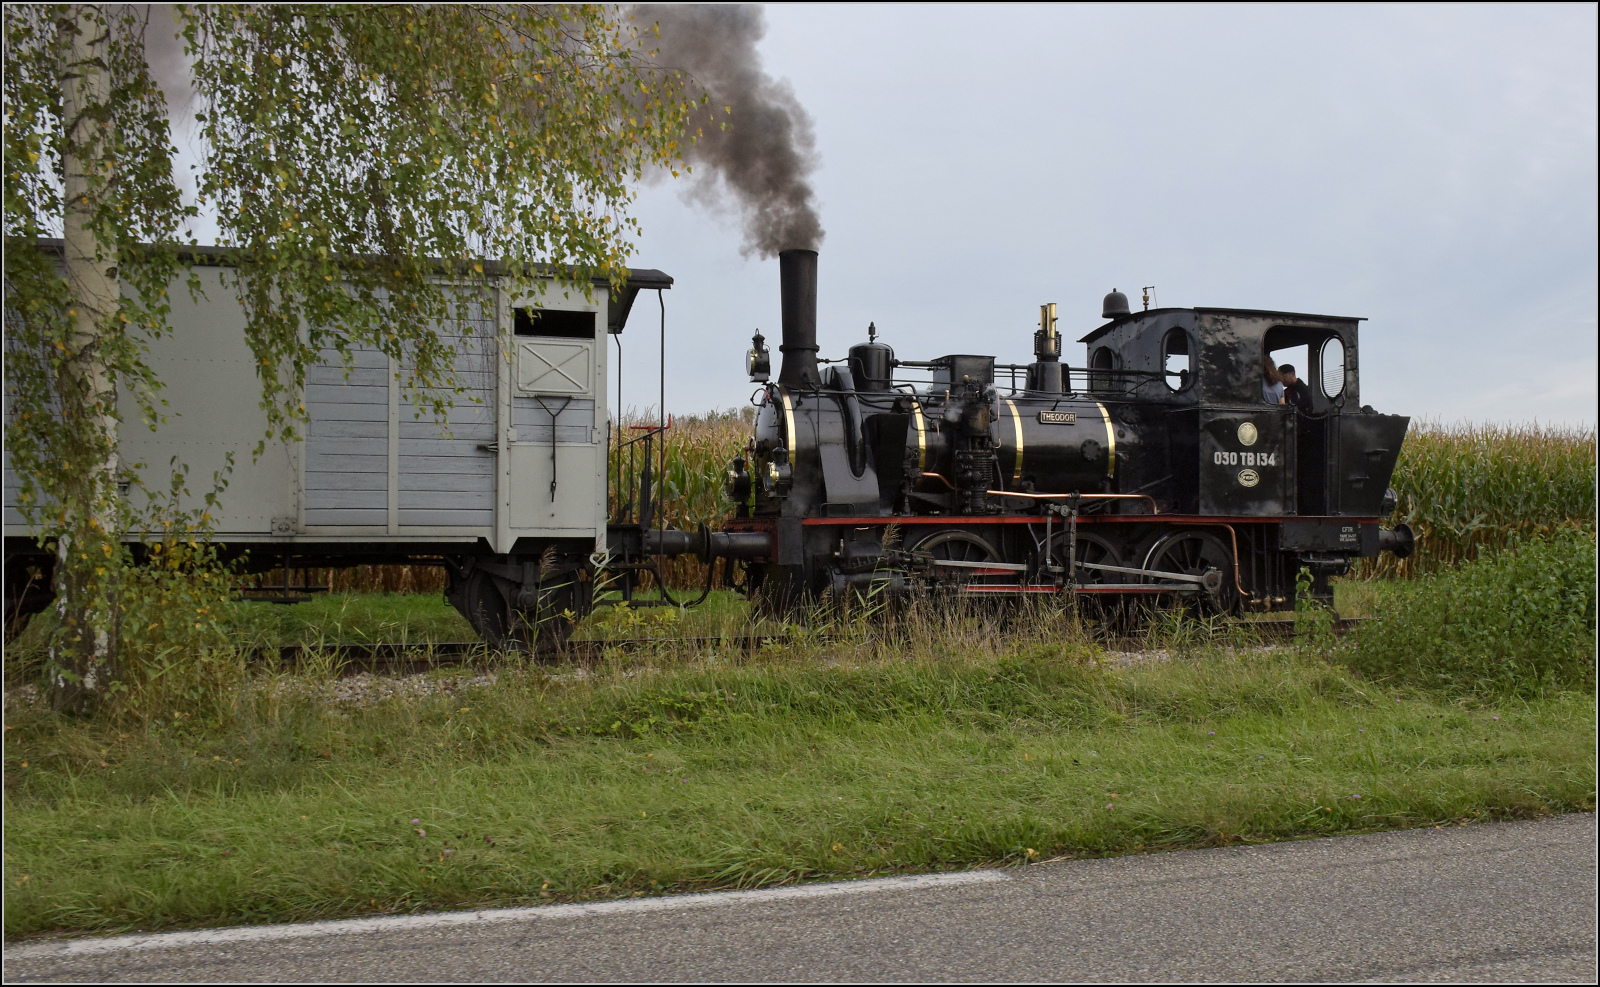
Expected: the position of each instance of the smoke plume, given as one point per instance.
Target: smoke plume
(766, 152)
(169, 66)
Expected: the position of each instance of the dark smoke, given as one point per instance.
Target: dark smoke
(767, 151)
(169, 66)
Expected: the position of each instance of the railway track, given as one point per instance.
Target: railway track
(406, 658)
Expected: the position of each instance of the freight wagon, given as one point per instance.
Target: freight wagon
(509, 493)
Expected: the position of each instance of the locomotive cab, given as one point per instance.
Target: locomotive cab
(1217, 447)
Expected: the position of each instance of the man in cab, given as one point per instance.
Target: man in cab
(1295, 391)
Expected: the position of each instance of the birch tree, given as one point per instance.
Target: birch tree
(351, 155)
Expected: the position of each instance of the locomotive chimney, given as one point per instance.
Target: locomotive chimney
(797, 272)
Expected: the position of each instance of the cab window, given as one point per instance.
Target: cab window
(1175, 359)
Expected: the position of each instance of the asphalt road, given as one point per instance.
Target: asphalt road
(1501, 902)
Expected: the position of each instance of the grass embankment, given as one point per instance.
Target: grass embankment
(556, 788)
(940, 744)
(357, 618)
(420, 619)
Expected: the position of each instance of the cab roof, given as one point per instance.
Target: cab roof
(1136, 316)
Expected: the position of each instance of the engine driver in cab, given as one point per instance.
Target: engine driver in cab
(1295, 391)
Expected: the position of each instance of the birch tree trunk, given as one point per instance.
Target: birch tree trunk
(87, 554)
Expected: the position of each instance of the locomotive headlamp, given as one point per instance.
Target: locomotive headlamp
(758, 362)
(779, 476)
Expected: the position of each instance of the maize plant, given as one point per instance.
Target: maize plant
(1465, 489)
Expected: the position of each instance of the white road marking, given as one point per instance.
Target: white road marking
(434, 920)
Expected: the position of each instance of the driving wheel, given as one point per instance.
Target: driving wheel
(1094, 549)
(959, 546)
(1200, 554)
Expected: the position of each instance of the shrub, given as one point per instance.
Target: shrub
(1519, 621)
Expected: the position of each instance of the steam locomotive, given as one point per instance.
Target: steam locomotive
(1157, 471)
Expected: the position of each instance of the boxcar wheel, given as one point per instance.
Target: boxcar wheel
(481, 599)
(478, 599)
(549, 625)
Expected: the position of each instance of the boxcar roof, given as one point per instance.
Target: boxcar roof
(1096, 334)
(639, 278)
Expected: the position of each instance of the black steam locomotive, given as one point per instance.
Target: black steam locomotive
(1157, 470)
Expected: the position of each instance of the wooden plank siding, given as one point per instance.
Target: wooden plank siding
(347, 440)
(447, 476)
(362, 440)
(575, 423)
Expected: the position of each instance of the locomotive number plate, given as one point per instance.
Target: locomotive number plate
(1244, 458)
(1058, 418)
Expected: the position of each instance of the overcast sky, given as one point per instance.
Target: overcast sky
(1430, 168)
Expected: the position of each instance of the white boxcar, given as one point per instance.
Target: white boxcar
(509, 493)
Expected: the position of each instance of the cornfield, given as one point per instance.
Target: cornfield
(1465, 489)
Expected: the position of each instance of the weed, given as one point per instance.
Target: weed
(548, 785)
(1518, 621)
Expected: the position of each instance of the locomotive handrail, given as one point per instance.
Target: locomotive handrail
(1131, 381)
(1074, 496)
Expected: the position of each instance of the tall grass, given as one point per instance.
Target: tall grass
(644, 773)
(1510, 622)
(1467, 489)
